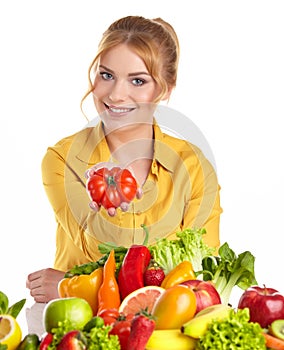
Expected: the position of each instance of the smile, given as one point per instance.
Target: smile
(119, 110)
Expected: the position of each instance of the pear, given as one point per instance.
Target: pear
(277, 329)
(197, 326)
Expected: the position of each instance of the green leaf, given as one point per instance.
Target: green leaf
(106, 247)
(4, 302)
(15, 309)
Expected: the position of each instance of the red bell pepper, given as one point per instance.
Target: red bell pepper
(46, 341)
(135, 263)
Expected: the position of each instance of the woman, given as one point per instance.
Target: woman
(135, 69)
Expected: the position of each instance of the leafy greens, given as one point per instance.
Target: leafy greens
(7, 309)
(97, 338)
(227, 270)
(189, 245)
(233, 332)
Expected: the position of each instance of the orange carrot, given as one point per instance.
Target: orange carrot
(108, 293)
(272, 342)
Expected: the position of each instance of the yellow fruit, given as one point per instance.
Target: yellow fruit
(140, 299)
(10, 332)
(197, 326)
(170, 339)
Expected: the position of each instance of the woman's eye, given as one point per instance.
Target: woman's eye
(138, 81)
(106, 76)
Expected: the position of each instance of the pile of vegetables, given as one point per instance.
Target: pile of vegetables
(225, 270)
(106, 282)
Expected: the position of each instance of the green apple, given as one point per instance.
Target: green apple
(76, 310)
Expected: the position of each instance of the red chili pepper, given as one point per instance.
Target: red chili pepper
(142, 326)
(46, 341)
(135, 263)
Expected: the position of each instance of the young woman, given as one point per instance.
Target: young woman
(135, 68)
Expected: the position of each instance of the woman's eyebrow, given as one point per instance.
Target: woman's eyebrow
(138, 73)
(130, 74)
(106, 68)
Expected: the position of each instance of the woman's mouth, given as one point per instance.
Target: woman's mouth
(118, 110)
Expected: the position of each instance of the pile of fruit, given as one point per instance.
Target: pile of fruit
(173, 295)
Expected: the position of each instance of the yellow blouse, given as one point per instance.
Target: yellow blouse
(181, 191)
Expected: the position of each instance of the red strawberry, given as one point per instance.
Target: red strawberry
(154, 274)
(142, 326)
(73, 340)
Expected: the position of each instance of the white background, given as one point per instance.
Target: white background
(230, 84)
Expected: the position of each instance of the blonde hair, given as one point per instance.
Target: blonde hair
(153, 40)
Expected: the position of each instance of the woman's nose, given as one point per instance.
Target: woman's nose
(119, 91)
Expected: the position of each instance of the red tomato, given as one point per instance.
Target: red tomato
(127, 185)
(174, 307)
(109, 316)
(111, 187)
(96, 185)
(121, 324)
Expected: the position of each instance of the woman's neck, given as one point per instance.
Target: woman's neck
(132, 143)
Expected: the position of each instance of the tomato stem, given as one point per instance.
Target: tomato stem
(111, 181)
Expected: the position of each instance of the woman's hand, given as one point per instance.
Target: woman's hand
(43, 284)
(112, 211)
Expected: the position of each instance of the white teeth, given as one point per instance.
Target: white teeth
(120, 110)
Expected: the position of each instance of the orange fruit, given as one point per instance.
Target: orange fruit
(141, 299)
(176, 306)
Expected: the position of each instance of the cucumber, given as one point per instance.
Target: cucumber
(30, 342)
(96, 321)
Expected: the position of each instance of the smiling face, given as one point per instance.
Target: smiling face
(123, 89)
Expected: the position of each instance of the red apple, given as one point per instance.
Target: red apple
(265, 304)
(205, 292)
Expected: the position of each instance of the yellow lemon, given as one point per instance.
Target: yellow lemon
(10, 332)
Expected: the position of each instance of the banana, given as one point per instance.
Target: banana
(170, 339)
(197, 326)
